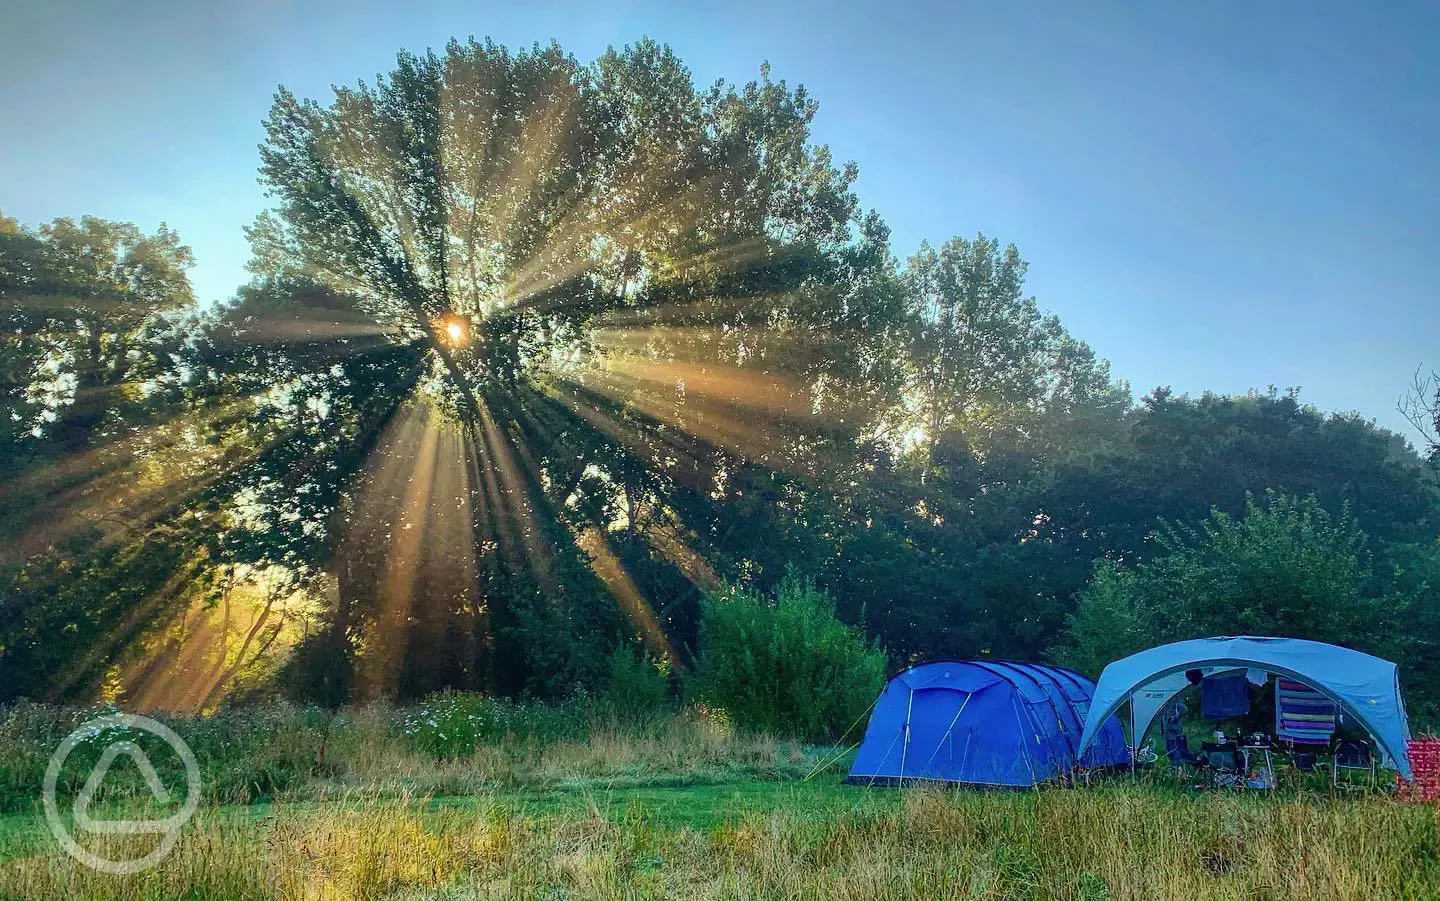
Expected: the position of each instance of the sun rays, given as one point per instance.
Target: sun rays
(219, 646)
(444, 498)
(608, 298)
(409, 544)
(438, 503)
(123, 486)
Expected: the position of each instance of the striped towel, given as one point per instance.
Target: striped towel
(1302, 714)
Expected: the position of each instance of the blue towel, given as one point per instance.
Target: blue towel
(1223, 697)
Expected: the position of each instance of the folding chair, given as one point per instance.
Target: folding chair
(1352, 755)
(1177, 748)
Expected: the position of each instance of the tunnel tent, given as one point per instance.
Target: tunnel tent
(982, 723)
(1365, 688)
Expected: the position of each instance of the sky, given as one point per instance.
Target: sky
(1216, 196)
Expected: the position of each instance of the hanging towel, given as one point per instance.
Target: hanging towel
(1223, 697)
(1257, 676)
(1302, 714)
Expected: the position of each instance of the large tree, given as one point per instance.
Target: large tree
(521, 195)
(939, 547)
(646, 306)
(985, 359)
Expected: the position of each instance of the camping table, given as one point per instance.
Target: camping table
(1247, 749)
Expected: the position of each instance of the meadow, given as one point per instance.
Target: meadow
(519, 801)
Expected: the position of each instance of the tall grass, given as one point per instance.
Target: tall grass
(450, 744)
(1114, 842)
(355, 815)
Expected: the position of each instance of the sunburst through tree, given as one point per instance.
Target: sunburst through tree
(634, 292)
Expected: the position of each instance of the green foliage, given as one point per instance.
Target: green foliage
(984, 356)
(91, 324)
(456, 724)
(1411, 574)
(63, 622)
(785, 664)
(639, 688)
(1181, 456)
(84, 305)
(1287, 567)
(244, 755)
(1108, 623)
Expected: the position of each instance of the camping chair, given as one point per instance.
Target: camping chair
(1352, 755)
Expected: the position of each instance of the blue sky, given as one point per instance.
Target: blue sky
(1216, 196)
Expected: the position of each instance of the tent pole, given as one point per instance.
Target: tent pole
(948, 730)
(1134, 739)
(1024, 748)
(905, 748)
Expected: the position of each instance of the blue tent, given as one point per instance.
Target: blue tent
(982, 723)
(1367, 689)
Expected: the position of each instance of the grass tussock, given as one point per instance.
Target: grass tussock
(1113, 842)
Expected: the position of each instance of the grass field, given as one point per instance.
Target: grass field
(771, 840)
(687, 809)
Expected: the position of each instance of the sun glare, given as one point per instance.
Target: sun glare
(454, 330)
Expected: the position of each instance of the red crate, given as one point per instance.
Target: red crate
(1425, 765)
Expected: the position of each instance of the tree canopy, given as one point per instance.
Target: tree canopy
(1284, 567)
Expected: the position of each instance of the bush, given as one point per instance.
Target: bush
(638, 690)
(785, 665)
(455, 724)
